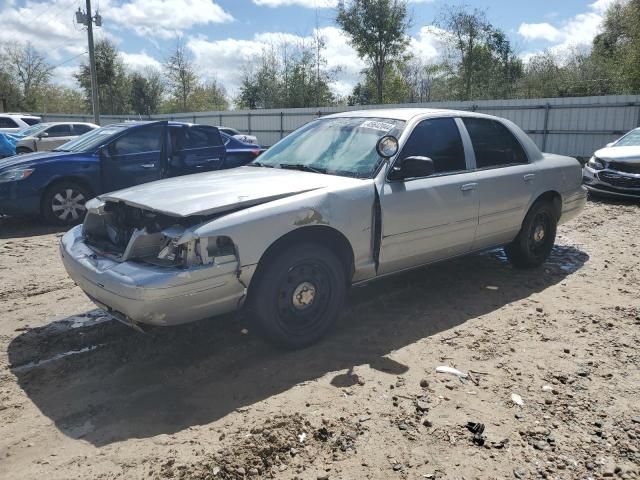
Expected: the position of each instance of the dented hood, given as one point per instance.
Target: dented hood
(629, 154)
(220, 191)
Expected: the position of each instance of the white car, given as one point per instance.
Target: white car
(344, 200)
(12, 122)
(615, 170)
(232, 132)
(47, 136)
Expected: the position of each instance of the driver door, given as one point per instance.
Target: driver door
(135, 157)
(431, 218)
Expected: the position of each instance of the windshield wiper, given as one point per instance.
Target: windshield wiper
(258, 164)
(303, 168)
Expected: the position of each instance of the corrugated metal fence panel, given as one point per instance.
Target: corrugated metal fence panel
(567, 126)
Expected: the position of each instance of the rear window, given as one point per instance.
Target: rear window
(202, 137)
(79, 129)
(30, 120)
(59, 131)
(6, 122)
(493, 143)
(631, 139)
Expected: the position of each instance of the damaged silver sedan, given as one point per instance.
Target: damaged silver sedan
(344, 200)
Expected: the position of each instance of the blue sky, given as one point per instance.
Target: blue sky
(225, 36)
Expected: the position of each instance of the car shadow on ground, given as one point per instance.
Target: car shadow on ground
(23, 227)
(100, 381)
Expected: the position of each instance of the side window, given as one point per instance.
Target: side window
(7, 123)
(59, 131)
(30, 121)
(202, 137)
(439, 139)
(493, 143)
(79, 129)
(139, 140)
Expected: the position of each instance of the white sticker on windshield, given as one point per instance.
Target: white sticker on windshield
(375, 125)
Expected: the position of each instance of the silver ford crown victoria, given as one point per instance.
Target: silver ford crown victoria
(344, 200)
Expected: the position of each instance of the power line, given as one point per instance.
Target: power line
(69, 59)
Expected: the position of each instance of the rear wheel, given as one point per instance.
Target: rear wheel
(64, 203)
(23, 150)
(537, 236)
(298, 295)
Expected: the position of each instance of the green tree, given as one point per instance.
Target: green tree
(114, 86)
(181, 76)
(29, 70)
(147, 90)
(378, 31)
(208, 96)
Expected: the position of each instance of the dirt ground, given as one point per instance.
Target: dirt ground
(82, 396)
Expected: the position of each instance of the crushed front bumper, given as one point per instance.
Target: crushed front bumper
(612, 183)
(136, 292)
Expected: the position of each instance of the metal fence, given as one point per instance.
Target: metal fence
(569, 126)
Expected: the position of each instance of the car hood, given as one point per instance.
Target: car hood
(32, 159)
(620, 154)
(224, 190)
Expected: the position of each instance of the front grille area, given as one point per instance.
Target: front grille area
(625, 167)
(619, 181)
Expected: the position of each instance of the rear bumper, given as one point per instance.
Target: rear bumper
(572, 204)
(140, 293)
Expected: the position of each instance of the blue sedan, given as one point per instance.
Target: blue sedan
(57, 184)
(238, 152)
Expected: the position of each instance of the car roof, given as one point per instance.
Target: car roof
(11, 114)
(406, 114)
(142, 122)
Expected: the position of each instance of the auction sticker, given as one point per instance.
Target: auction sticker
(375, 125)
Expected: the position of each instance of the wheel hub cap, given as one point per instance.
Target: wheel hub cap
(68, 204)
(538, 233)
(303, 295)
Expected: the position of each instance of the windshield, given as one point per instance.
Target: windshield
(631, 139)
(28, 131)
(90, 140)
(336, 146)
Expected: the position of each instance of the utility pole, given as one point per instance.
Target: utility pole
(88, 20)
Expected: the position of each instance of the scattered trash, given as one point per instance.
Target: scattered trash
(451, 371)
(491, 287)
(517, 399)
(477, 429)
(547, 388)
(244, 331)
(301, 437)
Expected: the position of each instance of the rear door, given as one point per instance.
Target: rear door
(53, 137)
(506, 181)
(134, 157)
(199, 149)
(435, 217)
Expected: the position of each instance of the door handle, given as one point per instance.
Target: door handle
(468, 187)
(148, 165)
(529, 176)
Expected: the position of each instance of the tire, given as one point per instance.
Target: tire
(63, 203)
(23, 150)
(298, 295)
(536, 238)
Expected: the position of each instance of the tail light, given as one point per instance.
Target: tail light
(256, 152)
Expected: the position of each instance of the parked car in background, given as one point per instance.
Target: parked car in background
(12, 122)
(232, 132)
(615, 169)
(344, 200)
(47, 136)
(238, 152)
(57, 184)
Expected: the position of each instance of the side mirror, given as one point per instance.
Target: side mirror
(611, 144)
(412, 167)
(43, 135)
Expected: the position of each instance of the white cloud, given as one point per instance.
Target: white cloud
(138, 62)
(300, 3)
(540, 31)
(578, 31)
(166, 18)
(428, 44)
(225, 59)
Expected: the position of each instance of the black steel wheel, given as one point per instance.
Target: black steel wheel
(536, 238)
(298, 295)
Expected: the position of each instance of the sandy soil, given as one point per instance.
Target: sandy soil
(82, 396)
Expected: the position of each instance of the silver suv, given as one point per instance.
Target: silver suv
(47, 136)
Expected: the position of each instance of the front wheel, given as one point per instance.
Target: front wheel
(298, 295)
(536, 238)
(64, 203)
(23, 150)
